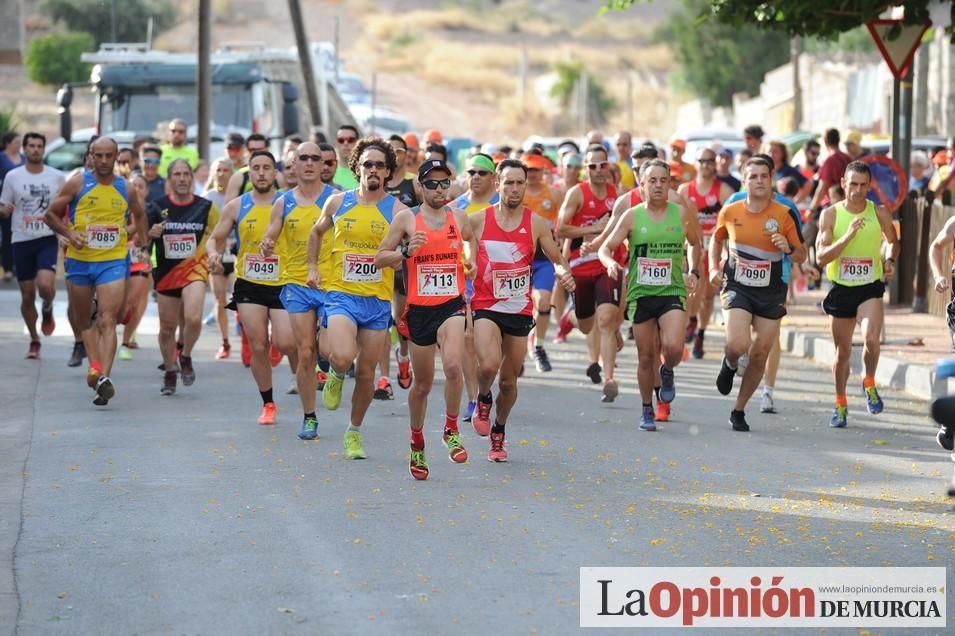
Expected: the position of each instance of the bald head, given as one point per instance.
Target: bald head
(308, 163)
(103, 153)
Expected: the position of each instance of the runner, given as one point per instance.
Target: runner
(435, 247)
(27, 192)
(241, 180)
(850, 248)
(624, 144)
(584, 214)
(179, 232)
(758, 233)
(329, 165)
(97, 260)
(507, 235)
(656, 232)
(140, 277)
(258, 284)
(293, 215)
(346, 137)
(221, 283)
(680, 171)
(708, 195)
(358, 302)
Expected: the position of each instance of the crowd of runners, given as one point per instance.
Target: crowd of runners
(322, 252)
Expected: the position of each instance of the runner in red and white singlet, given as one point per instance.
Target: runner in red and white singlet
(507, 234)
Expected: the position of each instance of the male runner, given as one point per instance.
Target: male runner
(258, 283)
(507, 235)
(708, 195)
(850, 248)
(758, 232)
(180, 228)
(358, 301)
(435, 247)
(27, 192)
(329, 165)
(177, 148)
(97, 260)
(656, 232)
(346, 137)
(241, 180)
(584, 214)
(293, 215)
(624, 144)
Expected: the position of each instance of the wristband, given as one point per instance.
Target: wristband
(890, 259)
(696, 273)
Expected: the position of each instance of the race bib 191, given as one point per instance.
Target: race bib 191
(34, 225)
(437, 280)
(753, 273)
(856, 270)
(179, 246)
(360, 268)
(511, 283)
(102, 237)
(264, 268)
(655, 272)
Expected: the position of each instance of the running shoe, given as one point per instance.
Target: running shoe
(332, 391)
(269, 409)
(292, 389)
(275, 356)
(593, 372)
(840, 417)
(92, 376)
(663, 411)
(246, 353)
(418, 466)
(872, 400)
(542, 361)
(384, 391)
(351, 371)
(724, 381)
(946, 438)
(564, 327)
(309, 428)
(766, 403)
(33, 353)
(404, 370)
(210, 319)
(99, 400)
(456, 452)
(469, 412)
(353, 447)
(47, 325)
(611, 390)
(225, 349)
(168, 383)
(667, 385)
(698, 347)
(320, 378)
(132, 344)
(76, 357)
(647, 422)
(187, 371)
(481, 422)
(690, 330)
(105, 388)
(125, 354)
(498, 449)
(738, 421)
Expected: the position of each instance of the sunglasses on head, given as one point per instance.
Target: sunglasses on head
(347, 140)
(434, 184)
(597, 166)
(377, 165)
(480, 173)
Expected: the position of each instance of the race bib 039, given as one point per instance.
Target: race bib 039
(856, 270)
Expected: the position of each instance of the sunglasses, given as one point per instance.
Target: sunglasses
(706, 160)
(377, 165)
(597, 166)
(347, 140)
(434, 184)
(181, 131)
(149, 161)
(480, 173)
(313, 158)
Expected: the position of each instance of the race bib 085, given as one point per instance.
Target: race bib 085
(102, 237)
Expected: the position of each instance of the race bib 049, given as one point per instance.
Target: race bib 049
(437, 280)
(179, 246)
(856, 270)
(655, 272)
(264, 268)
(753, 273)
(360, 268)
(102, 237)
(511, 283)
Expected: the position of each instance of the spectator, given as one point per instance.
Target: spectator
(784, 170)
(944, 178)
(810, 157)
(680, 171)
(177, 148)
(724, 161)
(753, 137)
(831, 172)
(10, 158)
(156, 186)
(744, 155)
(854, 147)
(127, 163)
(920, 174)
(235, 150)
(200, 177)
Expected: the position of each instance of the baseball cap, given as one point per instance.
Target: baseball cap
(536, 162)
(432, 164)
(854, 137)
(490, 149)
(726, 152)
(235, 139)
(678, 143)
(411, 140)
(433, 135)
(646, 151)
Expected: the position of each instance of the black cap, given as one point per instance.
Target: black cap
(432, 164)
(646, 151)
(235, 139)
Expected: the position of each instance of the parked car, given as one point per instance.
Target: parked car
(707, 138)
(352, 89)
(382, 122)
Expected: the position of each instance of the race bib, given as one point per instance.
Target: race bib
(655, 272)
(512, 283)
(360, 268)
(437, 280)
(753, 273)
(34, 225)
(264, 268)
(179, 246)
(856, 270)
(102, 237)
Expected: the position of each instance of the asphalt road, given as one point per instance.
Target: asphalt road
(181, 515)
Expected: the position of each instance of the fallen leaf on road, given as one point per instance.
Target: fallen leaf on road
(880, 442)
(916, 342)
(286, 610)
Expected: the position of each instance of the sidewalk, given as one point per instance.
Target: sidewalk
(913, 343)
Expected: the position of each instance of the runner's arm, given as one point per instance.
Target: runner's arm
(56, 212)
(232, 188)
(276, 217)
(217, 240)
(826, 250)
(544, 237)
(941, 244)
(888, 231)
(694, 240)
(619, 207)
(388, 254)
(137, 211)
(470, 241)
(621, 230)
(324, 223)
(720, 235)
(6, 199)
(568, 211)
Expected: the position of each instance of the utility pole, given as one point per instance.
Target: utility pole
(795, 50)
(112, 20)
(204, 79)
(305, 60)
(338, 26)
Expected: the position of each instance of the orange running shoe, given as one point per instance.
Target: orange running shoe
(663, 412)
(268, 414)
(275, 356)
(224, 351)
(404, 370)
(246, 349)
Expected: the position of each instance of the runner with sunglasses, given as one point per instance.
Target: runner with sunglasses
(346, 137)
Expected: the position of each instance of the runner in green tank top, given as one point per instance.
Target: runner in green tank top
(850, 248)
(656, 294)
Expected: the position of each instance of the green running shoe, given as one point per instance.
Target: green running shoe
(353, 449)
(332, 391)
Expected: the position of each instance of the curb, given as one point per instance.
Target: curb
(916, 379)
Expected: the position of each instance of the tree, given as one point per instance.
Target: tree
(95, 17)
(54, 59)
(568, 76)
(719, 59)
(8, 120)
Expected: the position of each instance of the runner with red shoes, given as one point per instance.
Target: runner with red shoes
(435, 248)
(507, 235)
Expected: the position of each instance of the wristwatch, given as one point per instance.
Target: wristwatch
(403, 248)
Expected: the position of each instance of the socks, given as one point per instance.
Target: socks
(486, 399)
(323, 364)
(310, 416)
(417, 439)
(497, 428)
(841, 400)
(767, 390)
(94, 364)
(266, 396)
(451, 423)
(352, 427)
(656, 391)
(701, 333)
(868, 381)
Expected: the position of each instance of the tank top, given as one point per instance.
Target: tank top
(707, 205)
(181, 249)
(504, 260)
(464, 202)
(591, 210)
(99, 213)
(251, 224)
(297, 223)
(656, 254)
(436, 271)
(357, 233)
(635, 197)
(861, 261)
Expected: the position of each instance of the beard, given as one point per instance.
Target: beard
(373, 186)
(261, 189)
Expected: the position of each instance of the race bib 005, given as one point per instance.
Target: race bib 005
(179, 246)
